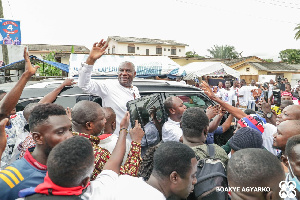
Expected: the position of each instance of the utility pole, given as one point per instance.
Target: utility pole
(4, 47)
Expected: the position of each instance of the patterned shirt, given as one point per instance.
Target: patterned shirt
(131, 165)
(27, 143)
(15, 133)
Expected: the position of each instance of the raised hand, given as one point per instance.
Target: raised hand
(28, 66)
(212, 111)
(69, 113)
(137, 132)
(265, 106)
(207, 90)
(125, 121)
(68, 82)
(96, 52)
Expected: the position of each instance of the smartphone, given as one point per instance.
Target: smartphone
(266, 95)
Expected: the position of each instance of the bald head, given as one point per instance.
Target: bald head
(285, 130)
(174, 107)
(291, 112)
(85, 117)
(254, 168)
(28, 109)
(296, 111)
(84, 111)
(110, 117)
(168, 104)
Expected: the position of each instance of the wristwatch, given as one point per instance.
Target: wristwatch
(269, 115)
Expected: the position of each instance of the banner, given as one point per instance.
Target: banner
(108, 65)
(10, 32)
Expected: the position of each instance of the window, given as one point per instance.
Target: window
(131, 48)
(168, 49)
(164, 49)
(137, 48)
(113, 50)
(248, 69)
(179, 50)
(108, 51)
(58, 59)
(173, 51)
(158, 50)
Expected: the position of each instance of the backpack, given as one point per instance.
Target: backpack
(211, 173)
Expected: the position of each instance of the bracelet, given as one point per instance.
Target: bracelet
(123, 129)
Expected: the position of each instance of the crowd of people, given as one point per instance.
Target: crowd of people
(94, 152)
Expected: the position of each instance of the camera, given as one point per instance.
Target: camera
(277, 97)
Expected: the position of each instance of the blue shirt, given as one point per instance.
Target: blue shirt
(210, 136)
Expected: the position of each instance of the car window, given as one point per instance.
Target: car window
(63, 100)
(193, 100)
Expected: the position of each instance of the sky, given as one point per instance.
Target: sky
(254, 27)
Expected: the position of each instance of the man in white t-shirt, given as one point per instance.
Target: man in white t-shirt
(245, 95)
(227, 94)
(173, 174)
(235, 88)
(252, 100)
(171, 130)
(114, 93)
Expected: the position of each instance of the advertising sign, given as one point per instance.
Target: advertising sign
(10, 32)
(108, 65)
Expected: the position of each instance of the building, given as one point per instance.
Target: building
(62, 52)
(15, 53)
(144, 46)
(251, 67)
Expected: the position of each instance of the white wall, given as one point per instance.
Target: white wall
(122, 48)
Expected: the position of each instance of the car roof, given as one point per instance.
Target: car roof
(41, 88)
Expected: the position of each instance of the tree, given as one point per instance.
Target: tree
(192, 54)
(290, 56)
(269, 60)
(297, 35)
(223, 52)
(49, 70)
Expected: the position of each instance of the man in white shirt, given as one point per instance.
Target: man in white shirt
(171, 130)
(173, 174)
(235, 88)
(114, 93)
(252, 100)
(227, 94)
(246, 98)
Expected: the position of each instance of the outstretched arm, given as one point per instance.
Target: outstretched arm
(237, 113)
(213, 125)
(226, 125)
(116, 158)
(96, 52)
(11, 99)
(212, 111)
(49, 98)
(134, 159)
(85, 70)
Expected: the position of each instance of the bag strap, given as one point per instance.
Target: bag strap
(211, 151)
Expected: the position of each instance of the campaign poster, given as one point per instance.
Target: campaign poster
(10, 32)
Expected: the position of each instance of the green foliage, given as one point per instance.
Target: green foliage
(46, 69)
(223, 52)
(72, 49)
(192, 54)
(297, 34)
(269, 60)
(290, 56)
